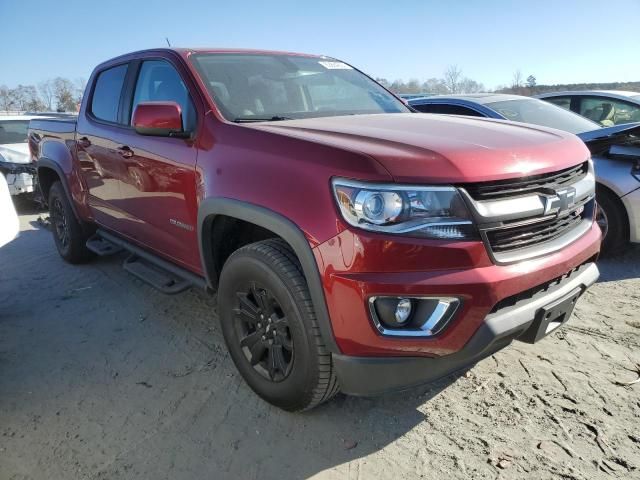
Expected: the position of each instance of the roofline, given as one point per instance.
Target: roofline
(186, 52)
(603, 93)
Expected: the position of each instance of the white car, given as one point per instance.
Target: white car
(606, 107)
(9, 225)
(15, 160)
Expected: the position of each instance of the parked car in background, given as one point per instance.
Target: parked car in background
(15, 161)
(409, 96)
(9, 225)
(614, 151)
(355, 246)
(606, 107)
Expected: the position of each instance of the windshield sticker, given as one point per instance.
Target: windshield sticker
(335, 65)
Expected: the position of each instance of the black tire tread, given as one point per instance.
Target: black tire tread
(78, 252)
(285, 260)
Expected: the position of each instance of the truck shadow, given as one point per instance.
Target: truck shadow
(625, 265)
(97, 349)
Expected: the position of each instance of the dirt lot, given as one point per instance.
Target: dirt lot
(102, 377)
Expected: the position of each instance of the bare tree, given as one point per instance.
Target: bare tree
(435, 86)
(413, 86)
(46, 93)
(64, 94)
(470, 86)
(26, 97)
(81, 85)
(6, 100)
(383, 81)
(452, 77)
(516, 81)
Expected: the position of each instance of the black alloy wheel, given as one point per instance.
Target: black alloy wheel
(263, 332)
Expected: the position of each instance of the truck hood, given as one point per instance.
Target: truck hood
(15, 153)
(442, 148)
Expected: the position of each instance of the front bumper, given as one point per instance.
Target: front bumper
(376, 375)
(20, 178)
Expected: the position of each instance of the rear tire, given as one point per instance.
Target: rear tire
(611, 217)
(270, 327)
(68, 234)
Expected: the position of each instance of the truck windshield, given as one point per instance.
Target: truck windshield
(254, 87)
(13, 131)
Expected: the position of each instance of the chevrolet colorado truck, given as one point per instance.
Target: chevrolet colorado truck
(354, 245)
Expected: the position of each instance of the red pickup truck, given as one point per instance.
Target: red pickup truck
(354, 246)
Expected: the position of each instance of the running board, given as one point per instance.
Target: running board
(102, 247)
(157, 272)
(154, 275)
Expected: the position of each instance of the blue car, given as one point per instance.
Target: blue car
(615, 151)
(505, 107)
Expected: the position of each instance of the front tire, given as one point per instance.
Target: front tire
(68, 233)
(270, 327)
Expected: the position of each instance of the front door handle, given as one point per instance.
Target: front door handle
(125, 151)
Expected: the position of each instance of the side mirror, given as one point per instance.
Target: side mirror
(159, 119)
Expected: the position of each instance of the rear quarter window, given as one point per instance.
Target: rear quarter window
(106, 94)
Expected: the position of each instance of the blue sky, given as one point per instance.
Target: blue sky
(558, 42)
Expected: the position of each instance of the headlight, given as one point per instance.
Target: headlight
(431, 212)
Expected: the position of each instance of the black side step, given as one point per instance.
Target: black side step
(154, 275)
(102, 247)
(159, 273)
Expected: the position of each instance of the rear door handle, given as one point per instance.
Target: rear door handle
(125, 151)
(84, 142)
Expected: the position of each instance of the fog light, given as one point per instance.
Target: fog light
(403, 310)
(412, 317)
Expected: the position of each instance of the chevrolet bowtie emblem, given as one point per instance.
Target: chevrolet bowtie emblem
(562, 200)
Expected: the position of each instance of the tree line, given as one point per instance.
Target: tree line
(63, 95)
(454, 81)
(55, 94)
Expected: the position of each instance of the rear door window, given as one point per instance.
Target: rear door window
(106, 94)
(608, 111)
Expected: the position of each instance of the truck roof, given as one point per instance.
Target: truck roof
(185, 52)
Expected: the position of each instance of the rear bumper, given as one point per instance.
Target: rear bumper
(377, 375)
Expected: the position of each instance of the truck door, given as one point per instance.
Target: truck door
(99, 158)
(157, 174)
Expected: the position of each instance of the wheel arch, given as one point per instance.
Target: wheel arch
(212, 209)
(48, 173)
(614, 196)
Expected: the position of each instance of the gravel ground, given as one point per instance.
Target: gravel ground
(102, 377)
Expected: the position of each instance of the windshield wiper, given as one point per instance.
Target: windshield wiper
(275, 118)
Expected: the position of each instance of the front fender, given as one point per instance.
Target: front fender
(281, 226)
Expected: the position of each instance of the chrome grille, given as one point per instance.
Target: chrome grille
(532, 216)
(527, 185)
(510, 238)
